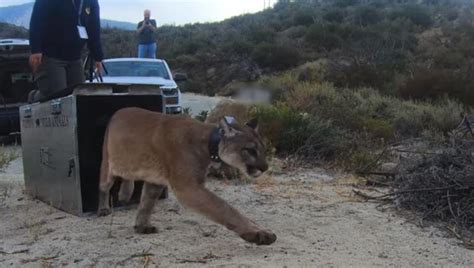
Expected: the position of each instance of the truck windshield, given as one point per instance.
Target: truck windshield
(136, 68)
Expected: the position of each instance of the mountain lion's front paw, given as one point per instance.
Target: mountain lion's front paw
(260, 237)
(102, 212)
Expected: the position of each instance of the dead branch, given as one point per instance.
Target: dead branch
(40, 259)
(192, 261)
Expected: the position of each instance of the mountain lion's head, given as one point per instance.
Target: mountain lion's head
(242, 147)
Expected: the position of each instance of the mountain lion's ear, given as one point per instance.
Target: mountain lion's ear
(253, 124)
(227, 129)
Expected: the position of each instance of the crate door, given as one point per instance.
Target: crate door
(93, 115)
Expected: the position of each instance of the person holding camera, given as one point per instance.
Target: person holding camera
(146, 37)
(58, 32)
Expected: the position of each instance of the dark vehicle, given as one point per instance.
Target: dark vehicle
(16, 82)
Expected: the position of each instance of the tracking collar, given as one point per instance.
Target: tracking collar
(214, 141)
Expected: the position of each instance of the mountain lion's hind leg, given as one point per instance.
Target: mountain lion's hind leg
(126, 191)
(150, 193)
(105, 184)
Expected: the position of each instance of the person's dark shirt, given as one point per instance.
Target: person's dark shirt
(53, 29)
(147, 36)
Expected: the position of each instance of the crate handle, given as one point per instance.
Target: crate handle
(56, 107)
(120, 89)
(27, 112)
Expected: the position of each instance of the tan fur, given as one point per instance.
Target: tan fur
(164, 150)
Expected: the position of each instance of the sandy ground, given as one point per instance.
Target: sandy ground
(317, 220)
(314, 214)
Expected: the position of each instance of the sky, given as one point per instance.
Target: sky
(171, 11)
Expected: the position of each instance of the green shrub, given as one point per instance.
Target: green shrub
(367, 15)
(312, 71)
(437, 84)
(320, 36)
(417, 14)
(366, 110)
(292, 132)
(202, 116)
(6, 157)
(304, 17)
(353, 75)
(345, 3)
(334, 15)
(276, 57)
(296, 32)
(259, 34)
(379, 128)
(238, 46)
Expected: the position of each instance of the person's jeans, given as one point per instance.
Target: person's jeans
(147, 51)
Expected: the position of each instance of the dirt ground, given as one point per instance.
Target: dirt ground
(317, 220)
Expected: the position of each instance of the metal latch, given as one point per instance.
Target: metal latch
(27, 112)
(56, 107)
(72, 167)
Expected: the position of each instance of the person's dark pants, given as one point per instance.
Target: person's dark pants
(55, 75)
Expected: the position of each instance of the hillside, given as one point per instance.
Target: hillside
(399, 48)
(12, 31)
(20, 16)
(17, 15)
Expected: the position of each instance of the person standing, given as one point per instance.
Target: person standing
(146, 37)
(59, 30)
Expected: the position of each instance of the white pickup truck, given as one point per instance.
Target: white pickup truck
(149, 72)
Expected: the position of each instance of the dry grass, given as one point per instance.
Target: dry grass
(7, 155)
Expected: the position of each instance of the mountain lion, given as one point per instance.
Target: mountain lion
(176, 151)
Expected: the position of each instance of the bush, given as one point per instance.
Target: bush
(345, 3)
(312, 71)
(275, 57)
(354, 75)
(319, 36)
(379, 128)
(334, 15)
(417, 14)
(259, 34)
(292, 132)
(367, 15)
(303, 18)
(366, 111)
(6, 157)
(437, 84)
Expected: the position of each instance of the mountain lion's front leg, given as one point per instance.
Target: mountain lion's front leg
(150, 194)
(201, 199)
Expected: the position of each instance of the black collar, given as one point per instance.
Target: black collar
(214, 141)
